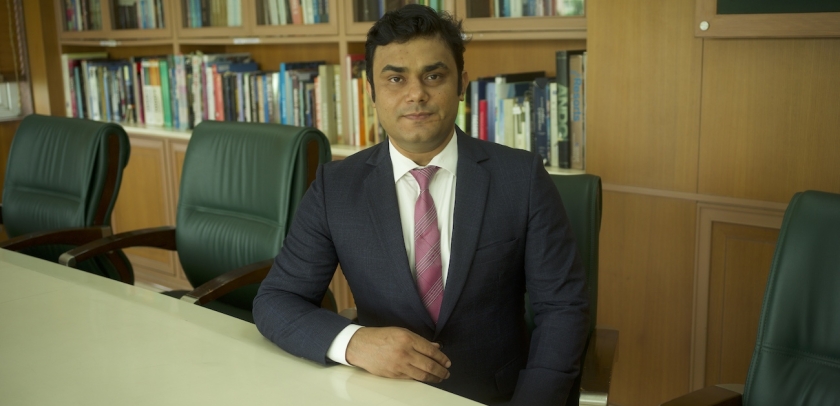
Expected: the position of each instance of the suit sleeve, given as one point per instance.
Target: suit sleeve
(556, 283)
(287, 306)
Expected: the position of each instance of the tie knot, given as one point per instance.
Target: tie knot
(424, 175)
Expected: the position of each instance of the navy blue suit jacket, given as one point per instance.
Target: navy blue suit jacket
(510, 234)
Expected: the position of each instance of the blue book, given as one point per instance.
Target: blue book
(233, 66)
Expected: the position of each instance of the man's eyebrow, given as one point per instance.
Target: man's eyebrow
(427, 68)
(392, 68)
(438, 65)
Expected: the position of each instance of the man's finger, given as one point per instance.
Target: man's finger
(430, 367)
(421, 375)
(432, 351)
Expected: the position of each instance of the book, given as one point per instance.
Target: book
(490, 96)
(69, 63)
(165, 94)
(327, 122)
(538, 120)
(285, 90)
(355, 64)
(477, 92)
(510, 85)
(563, 143)
(554, 160)
(576, 92)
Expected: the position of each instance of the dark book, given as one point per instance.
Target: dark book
(478, 9)
(563, 146)
(540, 98)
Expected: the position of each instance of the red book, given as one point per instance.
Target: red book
(297, 11)
(482, 120)
(218, 96)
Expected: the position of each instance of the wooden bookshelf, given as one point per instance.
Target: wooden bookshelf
(528, 43)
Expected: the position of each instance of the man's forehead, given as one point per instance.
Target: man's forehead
(435, 52)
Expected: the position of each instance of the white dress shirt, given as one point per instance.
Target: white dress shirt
(442, 189)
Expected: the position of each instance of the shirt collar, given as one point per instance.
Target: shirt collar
(447, 159)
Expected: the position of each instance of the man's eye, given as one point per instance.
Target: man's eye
(433, 76)
(394, 79)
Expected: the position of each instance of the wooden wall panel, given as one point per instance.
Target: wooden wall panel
(740, 263)
(143, 203)
(770, 125)
(7, 133)
(643, 93)
(645, 291)
(44, 57)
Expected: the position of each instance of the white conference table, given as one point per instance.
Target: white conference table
(72, 338)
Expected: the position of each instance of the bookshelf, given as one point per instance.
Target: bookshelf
(528, 42)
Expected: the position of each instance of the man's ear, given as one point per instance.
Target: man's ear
(465, 80)
(370, 92)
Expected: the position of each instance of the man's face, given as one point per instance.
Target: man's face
(417, 93)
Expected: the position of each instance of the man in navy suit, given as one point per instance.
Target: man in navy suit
(439, 235)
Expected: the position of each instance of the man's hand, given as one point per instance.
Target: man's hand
(395, 352)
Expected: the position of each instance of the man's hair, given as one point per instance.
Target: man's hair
(413, 21)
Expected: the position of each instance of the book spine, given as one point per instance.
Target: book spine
(492, 110)
(157, 86)
(554, 160)
(218, 96)
(80, 93)
(296, 12)
(539, 124)
(137, 85)
(474, 108)
(166, 99)
(563, 146)
(339, 114)
(67, 81)
(576, 109)
(482, 120)
(94, 93)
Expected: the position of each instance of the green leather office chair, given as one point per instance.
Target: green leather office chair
(240, 186)
(581, 196)
(796, 360)
(62, 181)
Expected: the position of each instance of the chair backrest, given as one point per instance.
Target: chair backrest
(796, 360)
(581, 196)
(62, 173)
(240, 186)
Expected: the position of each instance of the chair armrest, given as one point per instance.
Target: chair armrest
(719, 395)
(70, 236)
(350, 313)
(596, 373)
(159, 237)
(228, 282)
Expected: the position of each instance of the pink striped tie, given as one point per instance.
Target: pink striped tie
(427, 244)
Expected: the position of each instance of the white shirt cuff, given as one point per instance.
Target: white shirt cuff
(338, 349)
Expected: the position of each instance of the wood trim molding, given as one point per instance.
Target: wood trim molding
(707, 215)
(697, 197)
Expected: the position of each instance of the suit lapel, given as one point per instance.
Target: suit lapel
(385, 214)
(473, 182)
